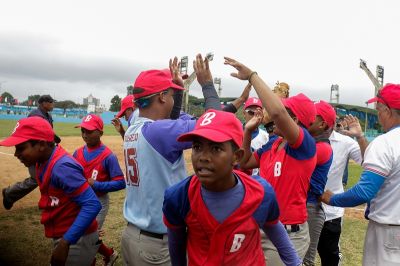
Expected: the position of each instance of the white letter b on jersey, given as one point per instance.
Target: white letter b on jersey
(237, 242)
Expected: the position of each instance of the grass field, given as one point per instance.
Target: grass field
(22, 240)
(61, 129)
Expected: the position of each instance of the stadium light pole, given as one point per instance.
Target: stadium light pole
(218, 81)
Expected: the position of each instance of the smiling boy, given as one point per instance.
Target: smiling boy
(215, 215)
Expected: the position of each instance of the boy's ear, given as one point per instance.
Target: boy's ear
(237, 156)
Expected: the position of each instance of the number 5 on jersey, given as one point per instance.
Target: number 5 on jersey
(132, 170)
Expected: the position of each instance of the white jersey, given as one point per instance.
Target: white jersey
(257, 142)
(383, 157)
(344, 148)
(154, 161)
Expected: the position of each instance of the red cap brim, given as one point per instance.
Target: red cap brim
(12, 141)
(88, 127)
(375, 99)
(121, 113)
(210, 134)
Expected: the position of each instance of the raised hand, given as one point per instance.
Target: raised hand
(354, 127)
(202, 70)
(255, 121)
(174, 67)
(243, 71)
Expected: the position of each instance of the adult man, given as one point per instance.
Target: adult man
(17, 191)
(154, 161)
(126, 111)
(379, 184)
(259, 137)
(344, 148)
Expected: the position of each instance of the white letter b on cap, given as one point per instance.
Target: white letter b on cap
(207, 119)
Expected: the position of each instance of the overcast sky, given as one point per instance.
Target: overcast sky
(70, 49)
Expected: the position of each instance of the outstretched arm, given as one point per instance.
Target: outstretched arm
(174, 68)
(235, 105)
(272, 103)
(118, 126)
(204, 77)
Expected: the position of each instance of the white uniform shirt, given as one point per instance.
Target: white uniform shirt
(344, 148)
(383, 157)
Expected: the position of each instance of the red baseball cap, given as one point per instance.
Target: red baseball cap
(126, 103)
(388, 95)
(326, 111)
(217, 126)
(30, 128)
(252, 101)
(153, 81)
(302, 107)
(92, 122)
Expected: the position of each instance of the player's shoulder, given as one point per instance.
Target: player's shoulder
(178, 191)
(265, 184)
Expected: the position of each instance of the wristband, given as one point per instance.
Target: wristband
(251, 75)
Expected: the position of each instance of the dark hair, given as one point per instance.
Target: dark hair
(33, 142)
(148, 100)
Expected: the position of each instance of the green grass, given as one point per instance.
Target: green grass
(354, 174)
(61, 129)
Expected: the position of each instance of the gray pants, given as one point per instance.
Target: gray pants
(300, 240)
(382, 245)
(139, 249)
(84, 251)
(316, 219)
(20, 189)
(101, 216)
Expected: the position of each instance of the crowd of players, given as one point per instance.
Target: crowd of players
(257, 197)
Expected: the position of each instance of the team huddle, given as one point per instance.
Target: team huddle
(257, 197)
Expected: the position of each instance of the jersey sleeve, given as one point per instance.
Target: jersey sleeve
(304, 148)
(165, 143)
(377, 157)
(176, 204)
(355, 151)
(113, 168)
(268, 211)
(324, 153)
(266, 147)
(68, 176)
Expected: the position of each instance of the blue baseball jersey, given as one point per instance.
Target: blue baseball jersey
(154, 161)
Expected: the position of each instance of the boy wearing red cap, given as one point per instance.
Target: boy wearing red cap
(69, 205)
(154, 160)
(216, 214)
(102, 170)
(321, 129)
(127, 111)
(287, 161)
(379, 184)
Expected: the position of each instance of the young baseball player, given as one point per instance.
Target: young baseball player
(154, 161)
(321, 129)
(216, 214)
(102, 171)
(69, 205)
(286, 162)
(127, 111)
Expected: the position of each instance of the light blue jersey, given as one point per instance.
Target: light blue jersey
(154, 161)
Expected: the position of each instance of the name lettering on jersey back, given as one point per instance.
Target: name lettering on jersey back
(131, 138)
(237, 242)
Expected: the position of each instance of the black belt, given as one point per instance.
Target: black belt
(151, 234)
(292, 228)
